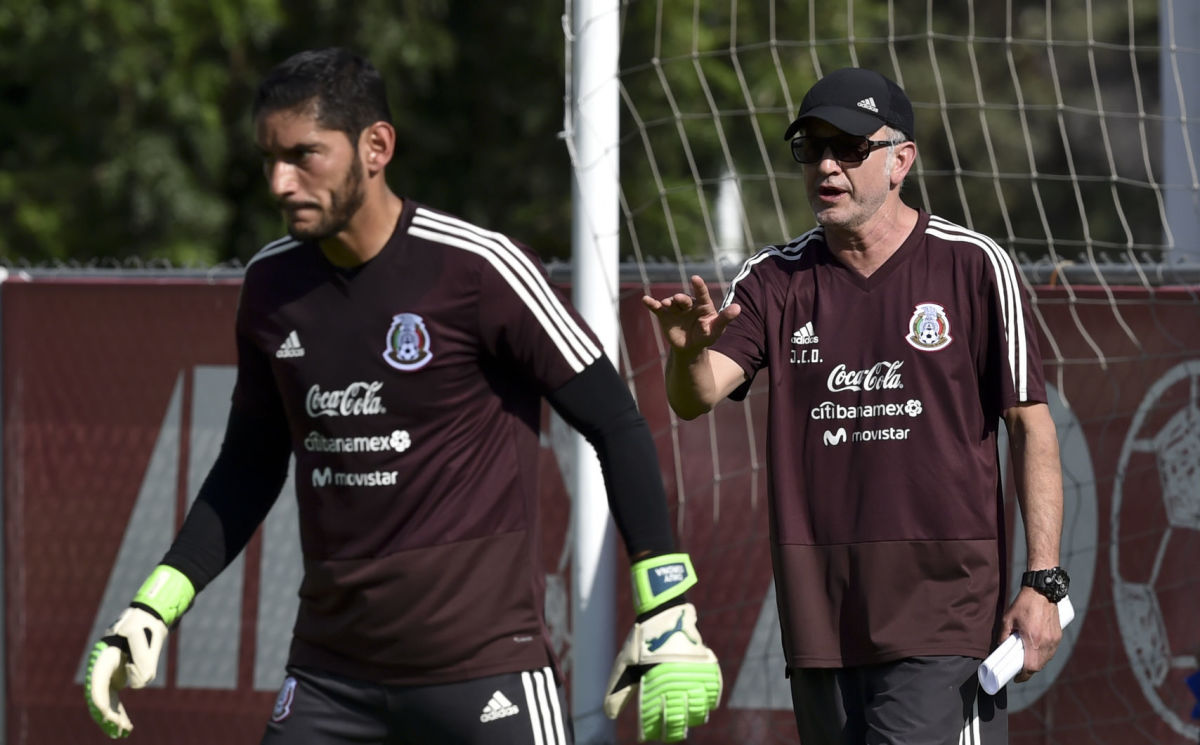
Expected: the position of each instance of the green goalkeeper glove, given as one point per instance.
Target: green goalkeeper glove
(677, 678)
(127, 654)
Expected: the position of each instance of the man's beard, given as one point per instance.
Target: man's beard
(344, 202)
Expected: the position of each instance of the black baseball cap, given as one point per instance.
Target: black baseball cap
(856, 101)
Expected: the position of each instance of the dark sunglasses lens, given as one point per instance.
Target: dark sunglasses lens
(852, 151)
(812, 149)
(804, 150)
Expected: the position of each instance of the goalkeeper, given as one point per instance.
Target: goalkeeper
(896, 342)
(402, 355)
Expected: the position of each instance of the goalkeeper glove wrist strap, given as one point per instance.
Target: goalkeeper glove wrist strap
(659, 579)
(167, 592)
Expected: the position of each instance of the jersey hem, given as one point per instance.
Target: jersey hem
(888, 656)
(313, 657)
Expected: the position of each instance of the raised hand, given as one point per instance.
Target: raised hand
(691, 322)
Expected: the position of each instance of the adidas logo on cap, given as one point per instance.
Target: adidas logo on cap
(868, 103)
(498, 707)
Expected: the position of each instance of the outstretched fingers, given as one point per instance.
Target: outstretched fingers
(678, 302)
(691, 322)
(700, 300)
(652, 303)
(700, 291)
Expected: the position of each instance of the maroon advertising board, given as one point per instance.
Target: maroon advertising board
(114, 394)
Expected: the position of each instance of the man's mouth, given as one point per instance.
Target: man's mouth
(293, 208)
(829, 191)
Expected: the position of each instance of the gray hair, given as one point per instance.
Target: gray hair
(894, 138)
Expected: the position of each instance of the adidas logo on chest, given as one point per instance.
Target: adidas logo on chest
(290, 347)
(805, 335)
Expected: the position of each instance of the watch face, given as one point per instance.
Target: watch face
(1056, 585)
(1053, 583)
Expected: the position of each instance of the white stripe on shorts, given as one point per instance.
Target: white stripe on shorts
(541, 701)
(970, 731)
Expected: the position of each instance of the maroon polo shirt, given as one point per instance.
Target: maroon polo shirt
(885, 397)
(411, 387)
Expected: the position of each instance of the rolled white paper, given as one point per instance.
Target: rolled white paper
(1002, 665)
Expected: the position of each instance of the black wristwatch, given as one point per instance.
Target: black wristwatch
(1053, 583)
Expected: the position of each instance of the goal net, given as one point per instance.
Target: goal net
(1065, 131)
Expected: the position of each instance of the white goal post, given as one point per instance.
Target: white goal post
(592, 131)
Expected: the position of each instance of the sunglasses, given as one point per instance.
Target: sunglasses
(811, 150)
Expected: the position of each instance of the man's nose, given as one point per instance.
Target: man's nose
(281, 178)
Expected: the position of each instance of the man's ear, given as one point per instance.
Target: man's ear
(377, 146)
(904, 157)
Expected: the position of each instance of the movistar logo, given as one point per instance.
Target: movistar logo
(835, 438)
(657, 642)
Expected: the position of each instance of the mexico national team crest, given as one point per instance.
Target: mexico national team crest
(408, 343)
(929, 328)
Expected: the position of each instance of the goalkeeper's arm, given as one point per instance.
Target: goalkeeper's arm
(676, 676)
(237, 494)
(597, 403)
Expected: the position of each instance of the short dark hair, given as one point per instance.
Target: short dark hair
(344, 89)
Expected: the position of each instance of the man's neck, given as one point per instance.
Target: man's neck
(868, 247)
(367, 233)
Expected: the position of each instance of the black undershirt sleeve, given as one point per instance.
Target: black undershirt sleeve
(236, 496)
(597, 403)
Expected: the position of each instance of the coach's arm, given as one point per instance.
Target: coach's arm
(696, 376)
(1033, 445)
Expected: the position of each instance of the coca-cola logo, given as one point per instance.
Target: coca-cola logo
(882, 376)
(357, 399)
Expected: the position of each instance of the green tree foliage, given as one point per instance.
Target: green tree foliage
(124, 127)
(125, 132)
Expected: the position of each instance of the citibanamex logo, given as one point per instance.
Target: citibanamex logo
(357, 399)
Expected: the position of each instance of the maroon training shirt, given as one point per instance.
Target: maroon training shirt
(885, 398)
(412, 388)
